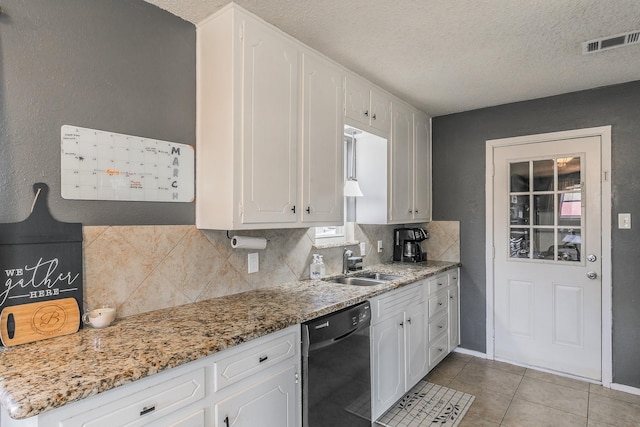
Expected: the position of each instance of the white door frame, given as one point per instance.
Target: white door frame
(604, 132)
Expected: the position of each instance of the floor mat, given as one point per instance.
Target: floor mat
(428, 404)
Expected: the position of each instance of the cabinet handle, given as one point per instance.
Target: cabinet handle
(440, 350)
(440, 326)
(308, 209)
(366, 113)
(147, 409)
(263, 358)
(374, 116)
(439, 303)
(293, 209)
(226, 421)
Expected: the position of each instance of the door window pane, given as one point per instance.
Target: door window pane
(543, 209)
(543, 243)
(519, 214)
(519, 243)
(570, 209)
(570, 244)
(543, 173)
(569, 173)
(519, 173)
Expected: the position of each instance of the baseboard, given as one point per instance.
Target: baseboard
(625, 388)
(470, 352)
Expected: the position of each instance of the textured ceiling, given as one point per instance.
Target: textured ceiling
(446, 56)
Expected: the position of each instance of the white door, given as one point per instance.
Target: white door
(322, 146)
(270, 137)
(547, 264)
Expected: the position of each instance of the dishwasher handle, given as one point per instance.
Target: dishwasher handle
(322, 344)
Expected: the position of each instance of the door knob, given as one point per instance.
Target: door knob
(591, 258)
(592, 275)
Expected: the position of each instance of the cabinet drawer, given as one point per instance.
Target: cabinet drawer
(396, 301)
(438, 303)
(438, 326)
(146, 406)
(438, 350)
(437, 283)
(243, 362)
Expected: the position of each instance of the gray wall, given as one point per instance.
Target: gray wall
(120, 66)
(459, 194)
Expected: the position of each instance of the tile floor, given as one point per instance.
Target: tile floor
(513, 396)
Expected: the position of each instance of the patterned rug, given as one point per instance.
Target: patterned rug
(428, 404)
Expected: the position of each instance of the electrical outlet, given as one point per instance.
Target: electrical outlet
(363, 248)
(624, 221)
(253, 262)
(380, 246)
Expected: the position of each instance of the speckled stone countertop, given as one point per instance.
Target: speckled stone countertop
(47, 374)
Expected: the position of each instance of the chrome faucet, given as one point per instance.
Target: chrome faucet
(345, 260)
(350, 262)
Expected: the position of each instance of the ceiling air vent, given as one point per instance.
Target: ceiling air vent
(610, 42)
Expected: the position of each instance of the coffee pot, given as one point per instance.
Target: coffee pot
(406, 244)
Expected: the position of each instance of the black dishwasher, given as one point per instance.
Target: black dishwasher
(336, 379)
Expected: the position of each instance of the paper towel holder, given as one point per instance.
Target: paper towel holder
(229, 237)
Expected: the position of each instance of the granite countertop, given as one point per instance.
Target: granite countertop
(44, 375)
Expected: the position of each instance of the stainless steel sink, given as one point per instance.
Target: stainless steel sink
(366, 279)
(380, 276)
(357, 281)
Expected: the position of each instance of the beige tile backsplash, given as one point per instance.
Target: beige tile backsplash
(144, 268)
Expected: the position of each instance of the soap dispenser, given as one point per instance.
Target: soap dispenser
(314, 268)
(323, 270)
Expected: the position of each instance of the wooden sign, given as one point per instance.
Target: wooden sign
(40, 258)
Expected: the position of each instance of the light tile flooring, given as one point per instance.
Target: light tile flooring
(509, 395)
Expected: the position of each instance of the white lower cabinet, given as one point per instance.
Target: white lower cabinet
(268, 403)
(412, 329)
(399, 345)
(254, 384)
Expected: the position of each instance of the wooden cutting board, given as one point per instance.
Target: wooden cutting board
(36, 321)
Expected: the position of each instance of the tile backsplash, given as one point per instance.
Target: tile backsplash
(144, 268)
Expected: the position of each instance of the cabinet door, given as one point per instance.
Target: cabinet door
(417, 344)
(422, 168)
(454, 317)
(322, 149)
(269, 403)
(388, 367)
(269, 123)
(380, 115)
(401, 164)
(357, 100)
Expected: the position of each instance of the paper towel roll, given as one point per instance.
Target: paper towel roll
(241, 242)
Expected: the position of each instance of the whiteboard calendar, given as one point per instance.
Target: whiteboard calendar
(98, 165)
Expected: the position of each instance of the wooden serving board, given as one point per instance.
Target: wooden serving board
(36, 321)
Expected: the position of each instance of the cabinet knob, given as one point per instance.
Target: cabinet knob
(374, 116)
(308, 209)
(402, 324)
(366, 113)
(410, 211)
(416, 211)
(409, 320)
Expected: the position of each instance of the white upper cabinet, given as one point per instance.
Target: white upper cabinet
(270, 123)
(422, 167)
(406, 156)
(366, 106)
(269, 79)
(322, 146)
(269, 128)
(402, 157)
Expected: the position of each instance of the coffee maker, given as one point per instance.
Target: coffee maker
(406, 244)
